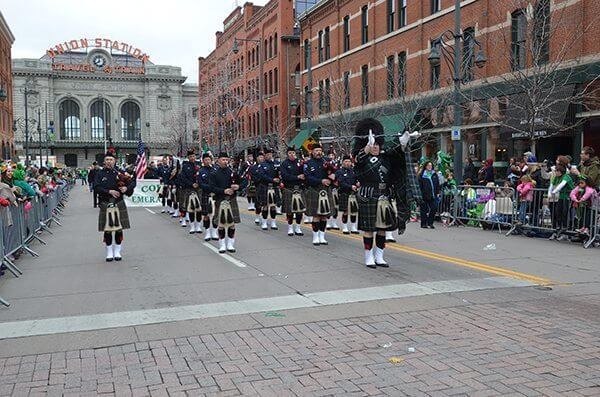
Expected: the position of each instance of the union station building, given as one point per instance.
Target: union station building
(86, 95)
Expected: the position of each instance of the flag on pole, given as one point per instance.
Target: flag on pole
(140, 164)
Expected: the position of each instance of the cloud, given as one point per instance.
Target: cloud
(175, 32)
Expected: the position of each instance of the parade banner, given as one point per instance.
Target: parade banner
(145, 194)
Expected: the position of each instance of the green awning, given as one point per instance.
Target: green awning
(300, 138)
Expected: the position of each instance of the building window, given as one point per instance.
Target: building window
(307, 104)
(402, 74)
(402, 17)
(327, 44)
(364, 18)
(436, 6)
(271, 47)
(275, 46)
(347, 33)
(391, 78)
(276, 81)
(327, 96)
(306, 54)
(435, 70)
(70, 122)
(468, 54)
(270, 82)
(364, 71)
(391, 15)
(100, 119)
(519, 39)
(131, 122)
(321, 45)
(321, 99)
(541, 29)
(266, 49)
(346, 90)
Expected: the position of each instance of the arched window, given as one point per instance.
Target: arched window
(275, 45)
(131, 123)
(100, 119)
(70, 123)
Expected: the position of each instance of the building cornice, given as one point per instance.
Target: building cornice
(5, 29)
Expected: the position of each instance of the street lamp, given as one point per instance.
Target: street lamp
(439, 50)
(26, 92)
(261, 61)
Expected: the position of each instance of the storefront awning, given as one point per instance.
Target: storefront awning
(552, 106)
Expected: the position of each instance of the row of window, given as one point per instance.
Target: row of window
(100, 117)
(251, 122)
(270, 50)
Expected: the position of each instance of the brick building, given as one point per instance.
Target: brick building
(6, 103)
(257, 51)
(371, 58)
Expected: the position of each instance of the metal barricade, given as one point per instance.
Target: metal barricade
(594, 235)
(537, 213)
(484, 206)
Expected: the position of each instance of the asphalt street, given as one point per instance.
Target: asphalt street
(174, 285)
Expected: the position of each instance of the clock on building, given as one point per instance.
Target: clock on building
(99, 61)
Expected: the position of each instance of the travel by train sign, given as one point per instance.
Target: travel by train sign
(98, 42)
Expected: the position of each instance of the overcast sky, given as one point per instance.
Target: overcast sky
(173, 32)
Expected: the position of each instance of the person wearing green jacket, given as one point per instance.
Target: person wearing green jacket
(560, 187)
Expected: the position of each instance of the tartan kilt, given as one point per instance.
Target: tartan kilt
(183, 194)
(343, 201)
(261, 194)
(311, 200)
(367, 214)
(286, 204)
(123, 215)
(251, 193)
(235, 209)
(205, 204)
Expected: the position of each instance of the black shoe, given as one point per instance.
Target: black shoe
(109, 259)
(214, 239)
(316, 244)
(346, 232)
(431, 227)
(299, 234)
(355, 232)
(383, 265)
(232, 251)
(372, 266)
(118, 259)
(424, 227)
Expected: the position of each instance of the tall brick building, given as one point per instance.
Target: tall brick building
(6, 105)
(371, 58)
(233, 113)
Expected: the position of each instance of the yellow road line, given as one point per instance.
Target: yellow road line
(444, 258)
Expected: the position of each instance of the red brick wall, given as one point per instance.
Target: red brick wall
(6, 107)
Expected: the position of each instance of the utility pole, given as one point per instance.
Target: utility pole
(26, 129)
(39, 128)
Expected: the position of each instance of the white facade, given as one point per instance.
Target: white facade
(167, 118)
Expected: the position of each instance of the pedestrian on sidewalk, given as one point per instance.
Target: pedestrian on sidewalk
(91, 179)
(430, 186)
(111, 186)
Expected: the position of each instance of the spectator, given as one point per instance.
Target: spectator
(581, 200)
(513, 172)
(469, 172)
(590, 167)
(525, 189)
(430, 188)
(561, 186)
(486, 173)
(151, 171)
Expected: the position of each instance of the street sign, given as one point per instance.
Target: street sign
(456, 134)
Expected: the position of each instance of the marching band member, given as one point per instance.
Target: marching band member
(260, 158)
(224, 184)
(187, 185)
(292, 179)
(206, 201)
(267, 181)
(373, 170)
(244, 173)
(347, 188)
(111, 186)
(318, 195)
(164, 175)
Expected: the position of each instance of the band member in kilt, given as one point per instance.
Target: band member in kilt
(260, 158)
(318, 194)
(376, 213)
(111, 186)
(224, 183)
(206, 201)
(189, 202)
(347, 188)
(292, 179)
(267, 182)
(333, 166)
(244, 173)
(164, 175)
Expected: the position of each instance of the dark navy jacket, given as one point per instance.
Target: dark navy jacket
(187, 176)
(346, 179)
(106, 180)
(265, 173)
(164, 174)
(204, 178)
(221, 179)
(289, 172)
(315, 171)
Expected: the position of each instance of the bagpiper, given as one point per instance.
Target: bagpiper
(292, 181)
(267, 181)
(333, 166)
(111, 186)
(260, 158)
(225, 183)
(318, 194)
(206, 200)
(376, 213)
(347, 187)
(244, 173)
(164, 175)
(189, 193)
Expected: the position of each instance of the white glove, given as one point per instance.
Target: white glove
(415, 135)
(404, 139)
(371, 140)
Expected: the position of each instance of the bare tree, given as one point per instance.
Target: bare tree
(177, 132)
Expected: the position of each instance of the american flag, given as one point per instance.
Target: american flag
(140, 164)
